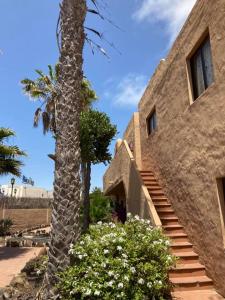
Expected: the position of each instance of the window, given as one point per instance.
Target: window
(152, 122)
(221, 193)
(202, 68)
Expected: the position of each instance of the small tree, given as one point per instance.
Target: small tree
(100, 206)
(96, 134)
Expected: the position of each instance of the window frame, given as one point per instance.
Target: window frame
(221, 201)
(152, 114)
(199, 45)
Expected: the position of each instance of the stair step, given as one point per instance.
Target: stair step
(197, 282)
(173, 228)
(162, 204)
(152, 186)
(145, 171)
(156, 197)
(181, 247)
(156, 193)
(169, 220)
(165, 210)
(177, 237)
(187, 257)
(187, 270)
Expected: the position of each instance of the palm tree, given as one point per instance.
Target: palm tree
(44, 89)
(65, 226)
(9, 162)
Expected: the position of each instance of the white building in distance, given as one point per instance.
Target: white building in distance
(25, 191)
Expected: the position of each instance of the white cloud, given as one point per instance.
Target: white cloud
(130, 90)
(172, 12)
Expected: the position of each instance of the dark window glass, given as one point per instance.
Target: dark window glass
(152, 122)
(202, 68)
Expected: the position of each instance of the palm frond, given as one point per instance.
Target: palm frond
(37, 116)
(46, 122)
(5, 133)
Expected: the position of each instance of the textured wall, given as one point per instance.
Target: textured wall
(25, 202)
(27, 218)
(188, 149)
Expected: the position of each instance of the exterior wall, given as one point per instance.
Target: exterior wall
(188, 149)
(25, 213)
(27, 218)
(123, 172)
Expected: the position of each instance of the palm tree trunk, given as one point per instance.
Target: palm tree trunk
(65, 225)
(86, 183)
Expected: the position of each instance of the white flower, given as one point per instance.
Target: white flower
(124, 255)
(71, 251)
(106, 251)
(119, 248)
(129, 215)
(103, 265)
(81, 242)
(133, 270)
(88, 292)
(120, 285)
(71, 246)
(167, 243)
(149, 284)
(99, 223)
(97, 293)
(38, 272)
(159, 282)
(141, 281)
(126, 278)
(137, 217)
(110, 283)
(80, 256)
(110, 273)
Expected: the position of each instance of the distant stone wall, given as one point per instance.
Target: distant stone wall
(26, 212)
(22, 203)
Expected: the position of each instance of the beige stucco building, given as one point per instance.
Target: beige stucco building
(170, 165)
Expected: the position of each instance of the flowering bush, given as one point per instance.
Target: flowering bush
(116, 261)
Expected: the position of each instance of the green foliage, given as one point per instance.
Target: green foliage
(44, 89)
(9, 162)
(5, 226)
(117, 261)
(36, 266)
(96, 134)
(100, 206)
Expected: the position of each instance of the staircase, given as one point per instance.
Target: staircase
(189, 277)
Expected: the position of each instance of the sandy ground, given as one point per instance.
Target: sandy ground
(12, 261)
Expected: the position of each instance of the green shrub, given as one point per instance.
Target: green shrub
(36, 266)
(5, 225)
(100, 206)
(117, 261)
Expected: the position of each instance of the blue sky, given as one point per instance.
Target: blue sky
(28, 42)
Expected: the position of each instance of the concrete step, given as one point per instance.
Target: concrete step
(181, 247)
(158, 203)
(192, 283)
(152, 186)
(187, 270)
(173, 228)
(203, 294)
(177, 237)
(169, 220)
(156, 197)
(162, 204)
(187, 257)
(156, 192)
